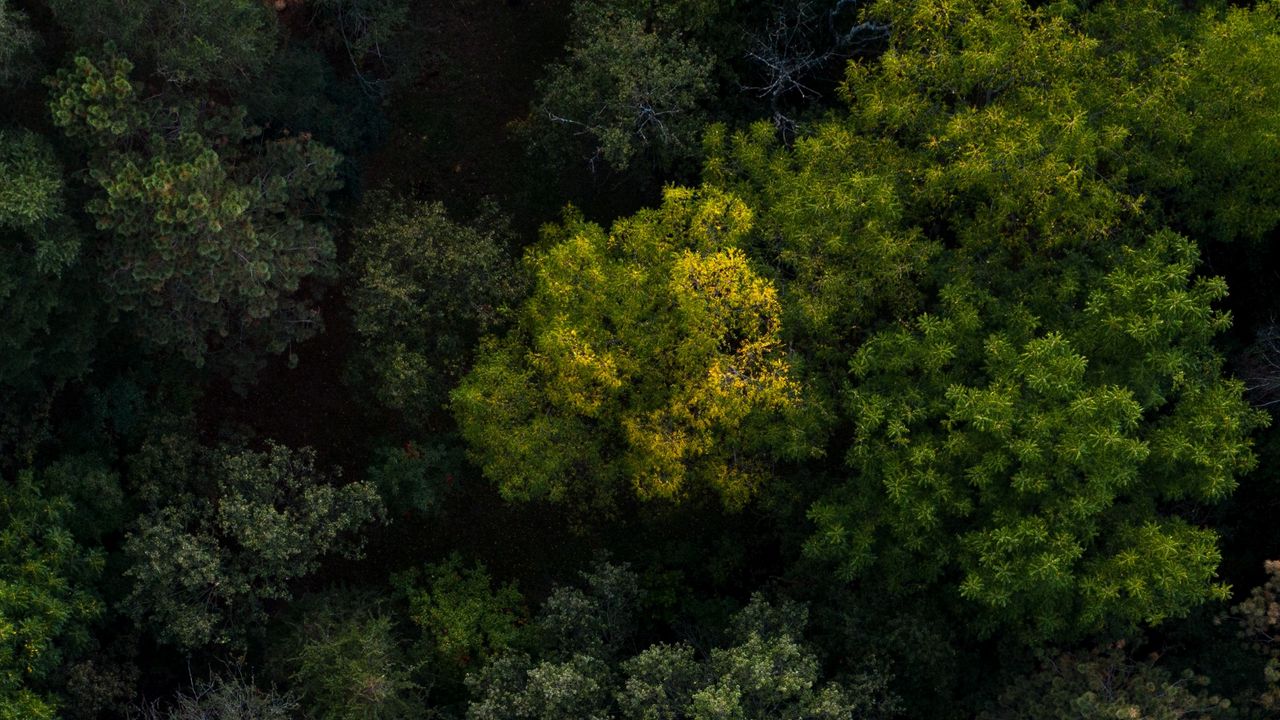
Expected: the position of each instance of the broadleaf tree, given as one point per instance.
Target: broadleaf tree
(648, 359)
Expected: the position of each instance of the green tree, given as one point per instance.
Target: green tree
(1033, 451)
(1231, 104)
(412, 478)
(999, 174)
(225, 531)
(45, 602)
(346, 662)
(831, 218)
(464, 619)
(212, 229)
(764, 670)
(47, 324)
(648, 356)
(628, 93)
(185, 41)
(596, 619)
(426, 289)
(17, 40)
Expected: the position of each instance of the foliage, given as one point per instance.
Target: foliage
(764, 671)
(346, 663)
(464, 618)
(45, 605)
(1047, 125)
(426, 289)
(1022, 441)
(186, 41)
(596, 618)
(831, 218)
(47, 325)
(211, 230)
(33, 194)
(648, 356)
(627, 93)
(413, 478)
(1033, 452)
(1257, 618)
(226, 530)
(100, 684)
(939, 345)
(16, 44)
(1106, 683)
(98, 506)
(1205, 109)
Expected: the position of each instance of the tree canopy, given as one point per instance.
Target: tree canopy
(648, 356)
(694, 359)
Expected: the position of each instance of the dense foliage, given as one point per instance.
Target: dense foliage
(697, 359)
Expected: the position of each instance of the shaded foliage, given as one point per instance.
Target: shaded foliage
(224, 531)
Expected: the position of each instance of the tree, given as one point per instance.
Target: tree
(465, 620)
(1257, 618)
(17, 40)
(628, 93)
(763, 671)
(47, 324)
(1022, 441)
(413, 478)
(1105, 682)
(831, 219)
(649, 356)
(188, 42)
(426, 290)
(1033, 451)
(1203, 109)
(45, 602)
(346, 662)
(226, 530)
(597, 618)
(211, 230)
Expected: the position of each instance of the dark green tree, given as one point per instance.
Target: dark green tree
(628, 94)
(211, 229)
(17, 40)
(426, 289)
(465, 620)
(185, 41)
(763, 671)
(224, 532)
(47, 319)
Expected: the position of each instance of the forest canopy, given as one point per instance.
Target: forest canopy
(706, 359)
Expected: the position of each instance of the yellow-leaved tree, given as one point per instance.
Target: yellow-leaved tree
(646, 357)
